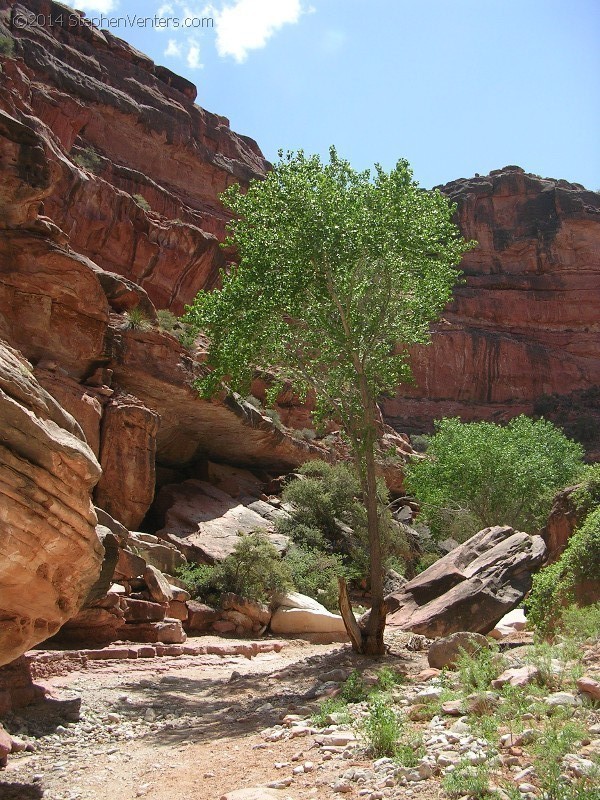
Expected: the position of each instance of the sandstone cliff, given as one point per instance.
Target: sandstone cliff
(525, 323)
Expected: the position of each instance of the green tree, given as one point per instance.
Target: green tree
(479, 474)
(339, 273)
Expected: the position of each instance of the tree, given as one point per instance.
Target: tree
(339, 273)
(480, 474)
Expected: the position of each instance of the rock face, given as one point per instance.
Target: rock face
(524, 325)
(50, 554)
(472, 587)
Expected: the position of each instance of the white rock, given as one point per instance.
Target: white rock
(562, 699)
(304, 620)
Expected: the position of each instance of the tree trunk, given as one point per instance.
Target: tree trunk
(371, 638)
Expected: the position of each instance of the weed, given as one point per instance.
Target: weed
(166, 320)
(89, 159)
(555, 741)
(137, 320)
(468, 780)
(477, 670)
(7, 46)
(354, 688)
(332, 705)
(141, 201)
(382, 728)
(388, 678)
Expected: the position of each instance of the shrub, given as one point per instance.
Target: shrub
(354, 688)
(166, 320)
(492, 474)
(89, 159)
(382, 728)
(137, 320)
(477, 670)
(141, 201)
(586, 496)
(554, 587)
(7, 46)
(315, 573)
(254, 570)
(467, 780)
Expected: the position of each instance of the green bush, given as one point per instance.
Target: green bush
(137, 320)
(89, 159)
(382, 727)
(554, 587)
(315, 573)
(7, 46)
(141, 201)
(254, 570)
(167, 320)
(490, 474)
(477, 670)
(586, 496)
(468, 781)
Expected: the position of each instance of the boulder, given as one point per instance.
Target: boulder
(205, 522)
(142, 610)
(306, 620)
(256, 612)
(444, 652)
(200, 617)
(510, 623)
(177, 610)
(160, 554)
(158, 586)
(92, 627)
(169, 631)
(296, 600)
(472, 587)
(5, 746)
(129, 565)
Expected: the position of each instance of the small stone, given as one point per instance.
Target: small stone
(342, 786)
(527, 788)
(557, 699)
(309, 766)
(589, 686)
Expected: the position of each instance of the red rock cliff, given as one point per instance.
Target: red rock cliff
(525, 323)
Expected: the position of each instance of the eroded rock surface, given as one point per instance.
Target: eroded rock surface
(50, 554)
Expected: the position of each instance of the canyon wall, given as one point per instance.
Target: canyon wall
(525, 323)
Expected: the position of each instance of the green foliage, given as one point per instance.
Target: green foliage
(586, 496)
(477, 670)
(166, 320)
(315, 573)
(488, 474)
(332, 705)
(141, 201)
(468, 781)
(7, 46)
(137, 320)
(354, 688)
(337, 269)
(580, 623)
(554, 586)
(382, 727)
(556, 740)
(89, 159)
(388, 678)
(254, 570)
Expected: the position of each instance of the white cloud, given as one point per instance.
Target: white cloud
(193, 56)
(100, 6)
(249, 24)
(173, 49)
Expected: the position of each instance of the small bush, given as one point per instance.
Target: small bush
(273, 415)
(556, 740)
(315, 573)
(467, 780)
(88, 159)
(388, 678)
(332, 705)
(137, 320)
(354, 688)
(477, 670)
(166, 320)
(254, 570)
(382, 728)
(579, 624)
(141, 201)
(7, 46)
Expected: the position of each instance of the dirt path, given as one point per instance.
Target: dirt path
(186, 728)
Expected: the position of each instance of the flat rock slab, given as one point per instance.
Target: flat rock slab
(257, 793)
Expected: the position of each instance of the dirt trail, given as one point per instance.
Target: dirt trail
(184, 728)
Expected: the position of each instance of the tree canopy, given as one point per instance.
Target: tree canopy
(479, 474)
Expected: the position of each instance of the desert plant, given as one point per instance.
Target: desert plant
(498, 474)
(332, 705)
(89, 159)
(137, 320)
(7, 46)
(468, 781)
(354, 688)
(478, 669)
(382, 727)
(556, 739)
(141, 201)
(315, 573)
(166, 320)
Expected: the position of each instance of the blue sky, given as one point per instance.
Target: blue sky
(455, 86)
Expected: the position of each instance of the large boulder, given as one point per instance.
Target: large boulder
(50, 553)
(472, 587)
(446, 651)
(298, 614)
